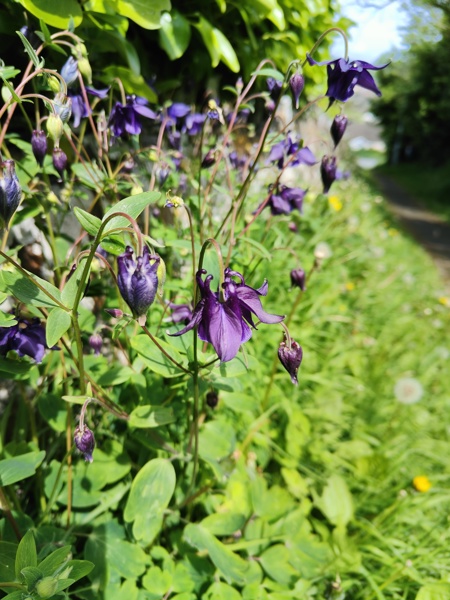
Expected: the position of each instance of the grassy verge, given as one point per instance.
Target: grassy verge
(429, 185)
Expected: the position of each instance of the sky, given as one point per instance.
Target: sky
(376, 32)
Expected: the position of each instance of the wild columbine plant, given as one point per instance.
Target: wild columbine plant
(171, 287)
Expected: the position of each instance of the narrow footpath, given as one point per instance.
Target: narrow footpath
(427, 228)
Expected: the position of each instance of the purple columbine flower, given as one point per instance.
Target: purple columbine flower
(96, 343)
(298, 278)
(69, 71)
(27, 338)
(274, 86)
(80, 109)
(338, 127)
(194, 123)
(180, 313)
(138, 280)
(126, 118)
(10, 193)
(289, 147)
(328, 170)
(85, 442)
(284, 200)
(291, 357)
(344, 74)
(225, 323)
(177, 112)
(297, 84)
(39, 145)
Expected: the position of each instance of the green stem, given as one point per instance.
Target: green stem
(166, 354)
(323, 36)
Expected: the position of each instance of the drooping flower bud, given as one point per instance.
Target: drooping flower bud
(138, 280)
(69, 70)
(96, 343)
(59, 161)
(85, 442)
(209, 158)
(274, 86)
(10, 193)
(338, 127)
(297, 84)
(85, 69)
(39, 145)
(328, 170)
(212, 399)
(298, 279)
(115, 312)
(291, 358)
(55, 127)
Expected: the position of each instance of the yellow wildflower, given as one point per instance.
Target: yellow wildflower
(335, 203)
(349, 286)
(444, 301)
(422, 483)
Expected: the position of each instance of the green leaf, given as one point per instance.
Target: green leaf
(336, 502)
(54, 12)
(147, 416)
(58, 322)
(8, 552)
(30, 51)
(78, 569)
(275, 562)
(132, 82)
(24, 290)
(260, 250)
(218, 45)
(7, 320)
(157, 581)
(20, 467)
(153, 488)
(144, 13)
(155, 359)
(226, 523)
(221, 591)
(14, 368)
(72, 286)
(269, 73)
(115, 376)
(54, 560)
(175, 34)
(26, 554)
(92, 177)
(233, 567)
(434, 591)
(88, 222)
(31, 576)
(132, 206)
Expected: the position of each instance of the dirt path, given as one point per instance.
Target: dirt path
(428, 229)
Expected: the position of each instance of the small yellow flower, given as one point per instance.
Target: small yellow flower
(422, 483)
(444, 301)
(392, 231)
(349, 286)
(335, 203)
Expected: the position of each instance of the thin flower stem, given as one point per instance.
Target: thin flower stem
(153, 176)
(166, 354)
(194, 261)
(4, 505)
(323, 36)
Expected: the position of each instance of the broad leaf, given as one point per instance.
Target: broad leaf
(144, 417)
(58, 322)
(54, 12)
(132, 206)
(24, 290)
(132, 82)
(144, 13)
(19, 467)
(26, 554)
(175, 34)
(156, 360)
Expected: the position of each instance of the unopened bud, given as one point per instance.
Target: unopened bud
(39, 145)
(298, 279)
(10, 193)
(59, 161)
(62, 105)
(115, 312)
(328, 170)
(54, 84)
(291, 357)
(96, 343)
(55, 127)
(212, 399)
(85, 442)
(161, 274)
(85, 69)
(209, 159)
(297, 83)
(46, 587)
(338, 127)
(69, 71)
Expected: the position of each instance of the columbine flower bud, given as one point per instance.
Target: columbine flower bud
(69, 70)
(291, 358)
(274, 87)
(39, 145)
(85, 442)
(62, 105)
(46, 587)
(212, 399)
(209, 159)
(55, 127)
(328, 170)
(296, 83)
(10, 193)
(298, 279)
(59, 161)
(115, 312)
(85, 69)
(96, 343)
(137, 280)
(338, 127)
(54, 84)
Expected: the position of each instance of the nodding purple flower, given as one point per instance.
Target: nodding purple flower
(39, 145)
(80, 109)
(297, 84)
(209, 159)
(177, 112)
(85, 442)
(138, 280)
(59, 160)
(96, 343)
(284, 200)
(237, 161)
(291, 357)
(194, 123)
(180, 313)
(212, 399)
(27, 338)
(274, 86)
(328, 170)
(338, 127)
(10, 193)
(69, 71)
(126, 118)
(298, 278)
(223, 319)
(344, 74)
(289, 147)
